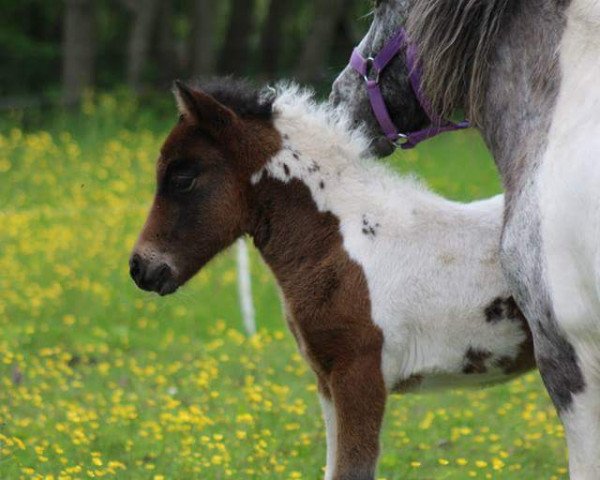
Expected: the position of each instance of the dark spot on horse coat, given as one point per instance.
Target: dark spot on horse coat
(558, 362)
(369, 228)
(314, 167)
(494, 312)
(321, 185)
(506, 309)
(475, 361)
(296, 156)
(512, 309)
(503, 309)
(286, 169)
(505, 363)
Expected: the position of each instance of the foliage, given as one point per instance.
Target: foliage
(98, 379)
(31, 41)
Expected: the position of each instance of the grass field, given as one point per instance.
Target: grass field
(100, 380)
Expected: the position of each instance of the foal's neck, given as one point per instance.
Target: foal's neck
(315, 186)
(294, 238)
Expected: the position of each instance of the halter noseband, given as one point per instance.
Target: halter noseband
(370, 68)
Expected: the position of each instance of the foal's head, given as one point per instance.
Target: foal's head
(223, 135)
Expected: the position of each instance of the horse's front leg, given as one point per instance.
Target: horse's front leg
(572, 376)
(582, 427)
(358, 393)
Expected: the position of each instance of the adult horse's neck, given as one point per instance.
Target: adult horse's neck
(541, 120)
(523, 86)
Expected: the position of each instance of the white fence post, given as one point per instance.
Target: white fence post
(245, 287)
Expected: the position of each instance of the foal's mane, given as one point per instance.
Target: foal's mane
(289, 100)
(241, 96)
(455, 39)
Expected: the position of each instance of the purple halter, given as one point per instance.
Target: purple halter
(370, 68)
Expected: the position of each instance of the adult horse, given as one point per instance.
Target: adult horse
(527, 75)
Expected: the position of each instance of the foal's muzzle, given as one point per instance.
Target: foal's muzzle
(153, 276)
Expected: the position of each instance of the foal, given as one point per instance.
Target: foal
(389, 287)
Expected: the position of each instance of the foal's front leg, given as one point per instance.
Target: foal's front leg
(358, 394)
(330, 426)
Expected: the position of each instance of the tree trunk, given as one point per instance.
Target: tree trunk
(271, 39)
(203, 38)
(327, 14)
(78, 48)
(168, 56)
(138, 50)
(235, 56)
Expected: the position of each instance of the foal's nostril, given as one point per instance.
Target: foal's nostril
(153, 277)
(135, 266)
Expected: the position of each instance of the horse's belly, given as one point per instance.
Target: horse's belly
(434, 382)
(454, 353)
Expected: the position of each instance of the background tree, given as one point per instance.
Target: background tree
(203, 37)
(64, 46)
(78, 48)
(167, 54)
(235, 55)
(272, 40)
(145, 15)
(319, 42)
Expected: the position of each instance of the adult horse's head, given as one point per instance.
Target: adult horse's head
(203, 176)
(350, 92)
(444, 57)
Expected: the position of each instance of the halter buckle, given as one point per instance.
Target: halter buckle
(370, 68)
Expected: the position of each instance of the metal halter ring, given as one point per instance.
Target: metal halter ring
(402, 139)
(369, 68)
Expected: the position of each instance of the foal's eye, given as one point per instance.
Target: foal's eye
(183, 183)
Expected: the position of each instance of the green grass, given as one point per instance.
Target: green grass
(98, 379)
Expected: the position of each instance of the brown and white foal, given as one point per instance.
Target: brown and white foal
(388, 287)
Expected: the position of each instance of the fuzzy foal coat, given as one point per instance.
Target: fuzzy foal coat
(388, 287)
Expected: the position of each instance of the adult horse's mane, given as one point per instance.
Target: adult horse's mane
(454, 39)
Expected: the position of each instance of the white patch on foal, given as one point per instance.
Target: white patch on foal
(431, 265)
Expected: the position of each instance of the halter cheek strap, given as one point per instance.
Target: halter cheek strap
(370, 69)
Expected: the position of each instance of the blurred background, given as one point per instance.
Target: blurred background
(101, 380)
(57, 49)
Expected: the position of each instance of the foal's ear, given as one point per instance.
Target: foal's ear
(202, 109)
